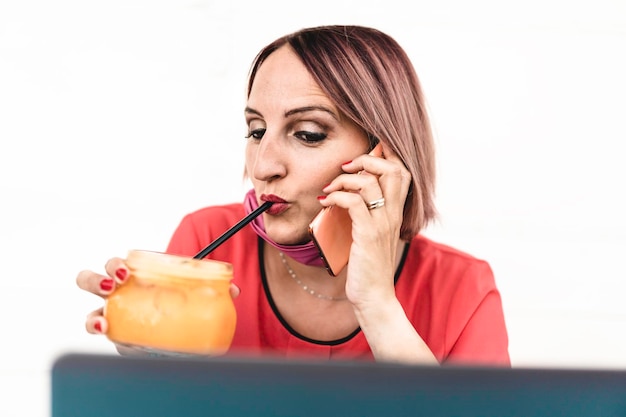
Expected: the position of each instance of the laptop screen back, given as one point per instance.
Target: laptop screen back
(103, 385)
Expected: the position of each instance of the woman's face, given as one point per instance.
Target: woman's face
(297, 142)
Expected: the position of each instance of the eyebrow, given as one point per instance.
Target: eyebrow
(297, 110)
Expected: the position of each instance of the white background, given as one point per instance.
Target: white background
(119, 117)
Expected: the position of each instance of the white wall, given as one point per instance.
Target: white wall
(118, 117)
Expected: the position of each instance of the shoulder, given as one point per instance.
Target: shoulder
(447, 266)
(452, 299)
(430, 249)
(216, 215)
(200, 227)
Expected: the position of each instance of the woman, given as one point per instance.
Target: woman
(318, 101)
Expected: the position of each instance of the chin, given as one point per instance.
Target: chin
(293, 241)
(289, 238)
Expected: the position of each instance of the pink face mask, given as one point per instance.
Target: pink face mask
(305, 253)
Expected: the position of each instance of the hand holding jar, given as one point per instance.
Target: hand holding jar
(155, 302)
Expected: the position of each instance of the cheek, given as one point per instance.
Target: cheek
(250, 156)
(318, 172)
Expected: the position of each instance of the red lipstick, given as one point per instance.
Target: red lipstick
(279, 206)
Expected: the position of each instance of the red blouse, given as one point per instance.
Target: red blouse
(450, 297)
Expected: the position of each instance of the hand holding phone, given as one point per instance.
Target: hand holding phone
(331, 231)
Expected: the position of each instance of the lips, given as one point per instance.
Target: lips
(279, 206)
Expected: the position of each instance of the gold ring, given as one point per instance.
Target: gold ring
(376, 204)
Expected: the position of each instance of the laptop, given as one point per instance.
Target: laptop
(98, 385)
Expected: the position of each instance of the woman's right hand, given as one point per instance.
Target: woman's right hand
(103, 286)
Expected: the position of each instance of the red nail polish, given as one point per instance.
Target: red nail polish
(346, 163)
(106, 284)
(98, 326)
(321, 197)
(121, 274)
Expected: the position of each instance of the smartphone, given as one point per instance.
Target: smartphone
(331, 232)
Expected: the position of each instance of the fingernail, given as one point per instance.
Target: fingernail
(106, 284)
(121, 274)
(346, 163)
(321, 197)
(98, 326)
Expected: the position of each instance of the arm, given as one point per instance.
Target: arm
(464, 315)
(391, 335)
(374, 255)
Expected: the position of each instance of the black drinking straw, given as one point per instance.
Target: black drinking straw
(227, 234)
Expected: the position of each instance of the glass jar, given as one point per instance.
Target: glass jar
(173, 304)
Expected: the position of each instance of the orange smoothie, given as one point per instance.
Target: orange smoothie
(173, 303)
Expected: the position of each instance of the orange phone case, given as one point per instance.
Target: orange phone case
(331, 232)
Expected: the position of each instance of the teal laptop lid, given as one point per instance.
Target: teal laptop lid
(102, 385)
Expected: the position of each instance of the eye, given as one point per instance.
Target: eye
(256, 134)
(310, 137)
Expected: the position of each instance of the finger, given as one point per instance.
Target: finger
(351, 201)
(399, 174)
(117, 269)
(389, 154)
(96, 323)
(393, 177)
(95, 283)
(366, 198)
(375, 165)
(365, 164)
(362, 183)
(234, 291)
(368, 187)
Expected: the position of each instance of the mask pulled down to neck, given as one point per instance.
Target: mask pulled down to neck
(305, 253)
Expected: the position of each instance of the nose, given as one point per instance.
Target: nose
(270, 159)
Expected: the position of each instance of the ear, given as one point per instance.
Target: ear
(377, 151)
(373, 140)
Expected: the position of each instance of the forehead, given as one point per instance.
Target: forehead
(282, 81)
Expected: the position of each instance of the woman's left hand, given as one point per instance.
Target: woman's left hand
(374, 251)
(375, 231)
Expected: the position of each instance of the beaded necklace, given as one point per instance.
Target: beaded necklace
(305, 287)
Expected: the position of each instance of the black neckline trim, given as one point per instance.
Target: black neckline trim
(270, 300)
